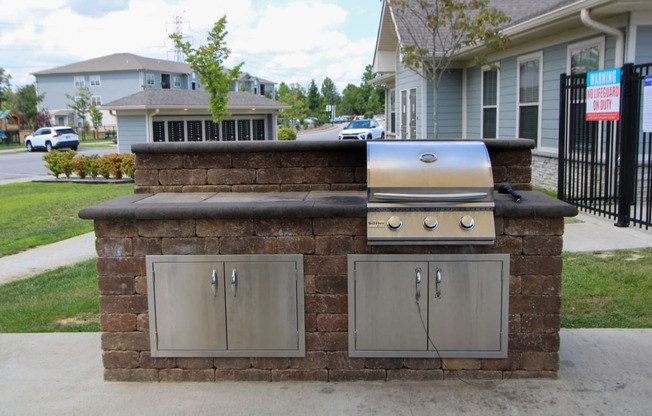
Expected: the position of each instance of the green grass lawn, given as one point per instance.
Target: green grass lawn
(34, 214)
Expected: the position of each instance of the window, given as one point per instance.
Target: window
(80, 81)
(529, 86)
(392, 111)
(585, 56)
(489, 104)
(176, 81)
(95, 80)
(150, 80)
(96, 100)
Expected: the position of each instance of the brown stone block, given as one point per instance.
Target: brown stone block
(526, 304)
(509, 363)
(131, 304)
(515, 284)
(540, 324)
(115, 228)
(321, 175)
(141, 285)
(332, 322)
(120, 359)
(166, 228)
(461, 364)
(507, 245)
(534, 226)
(518, 175)
(422, 363)
(524, 342)
(142, 322)
(230, 177)
(310, 322)
(229, 227)
(256, 188)
(340, 226)
(192, 245)
(180, 375)
(302, 244)
(146, 177)
(499, 174)
(121, 266)
(357, 375)
(195, 363)
(514, 323)
(354, 158)
(146, 246)
(304, 159)
(300, 375)
(285, 227)
(247, 245)
(159, 161)
(536, 265)
(157, 189)
(542, 245)
(243, 375)
(229, 363)
(339, 360)
(125, 341)
(146, 361)
(309, 284)
(319, 303)
(114, 247)
(144, 375)
(118, 322)
(171, 177)
(385, 363)
(325, 265)
(312, 361)
(339, 245)
(540, 361)
(264, 363)
(206, 160)
(472, 375)
(257, 160)
(541, 285)
(327, 341)
(360, 245)
(361, 176)
(280, 175)
(333, 285)
(414, 375)
(116, 285)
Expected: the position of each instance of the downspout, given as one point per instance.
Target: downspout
(620, 38)
(148, 124)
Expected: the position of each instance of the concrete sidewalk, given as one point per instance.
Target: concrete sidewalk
(602, 372)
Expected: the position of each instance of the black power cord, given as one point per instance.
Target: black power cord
(508, 188)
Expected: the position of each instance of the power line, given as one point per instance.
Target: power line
(177, 24)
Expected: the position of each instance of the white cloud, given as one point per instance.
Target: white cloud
(289, 41)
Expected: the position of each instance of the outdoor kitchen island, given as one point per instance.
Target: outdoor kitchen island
(175, 260)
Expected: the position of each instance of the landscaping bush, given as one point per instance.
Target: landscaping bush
(60, 163)
(286, 133)
(111, 165)
(81, 166)
(128, 164)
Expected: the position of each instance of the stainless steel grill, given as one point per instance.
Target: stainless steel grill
(429, 192)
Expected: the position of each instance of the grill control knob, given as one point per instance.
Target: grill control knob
(394, 223)
(467, 222)
(430, 222)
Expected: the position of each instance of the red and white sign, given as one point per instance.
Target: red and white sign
(603, 95)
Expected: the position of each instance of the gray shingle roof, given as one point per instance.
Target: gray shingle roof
(192, 99)
(120, 62)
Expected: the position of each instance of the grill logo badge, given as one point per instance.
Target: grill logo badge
(376, 224)
(428, 157)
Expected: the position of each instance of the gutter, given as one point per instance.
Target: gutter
(585, 16)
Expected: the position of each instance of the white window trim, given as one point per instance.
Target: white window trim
(599, 42)
(176, 81)
(96, 99)
(95, 81)
(150, 79)
(79, 81)
(525, 58)
(487, 68)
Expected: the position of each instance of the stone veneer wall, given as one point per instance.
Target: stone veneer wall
(534, 245)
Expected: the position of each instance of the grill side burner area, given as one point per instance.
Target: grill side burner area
(429, 192)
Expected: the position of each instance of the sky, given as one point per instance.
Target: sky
(291, 41)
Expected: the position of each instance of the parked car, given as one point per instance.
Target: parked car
(48, 138)
(368, 129)
(340, 119)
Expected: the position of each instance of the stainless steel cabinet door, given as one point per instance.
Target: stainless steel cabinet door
(189, 306)
(391, 304)
(261, 305)
(466, 306)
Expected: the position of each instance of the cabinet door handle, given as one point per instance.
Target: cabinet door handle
(438, 284)
(234, 282)
(418, 284)
(214, 282)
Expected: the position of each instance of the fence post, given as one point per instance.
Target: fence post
(561, 152)
(629, 112)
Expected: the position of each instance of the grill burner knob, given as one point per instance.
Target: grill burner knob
(430, 222)
(467, 222)
(394, 223)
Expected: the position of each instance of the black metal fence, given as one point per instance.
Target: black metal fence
(605, 167)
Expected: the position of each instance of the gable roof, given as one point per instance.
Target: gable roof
(119, 62)
(154, 98)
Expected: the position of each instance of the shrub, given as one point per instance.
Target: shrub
(81, 165)
(94, 166)
(52, 163)
(128, 164)
(104, 166)
(60, 163)
(286, 133)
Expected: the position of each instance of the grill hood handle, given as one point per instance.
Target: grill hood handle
(429, 197)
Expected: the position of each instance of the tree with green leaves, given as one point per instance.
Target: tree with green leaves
(436, 32)
(208, 62)
(5, 90)
(27, 102)
(315, 104)
(81, 105)
(295, 97)
(96, 116)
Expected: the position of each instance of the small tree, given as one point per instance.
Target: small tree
(96, 117)
(42, 119)
(435, 33)
(27, 103)
(208, 62)
(81, 105)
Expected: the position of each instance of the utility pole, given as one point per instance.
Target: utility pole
(177, 25)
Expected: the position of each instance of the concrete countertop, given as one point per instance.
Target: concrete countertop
(316, 204)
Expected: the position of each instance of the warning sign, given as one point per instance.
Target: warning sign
(603, 95)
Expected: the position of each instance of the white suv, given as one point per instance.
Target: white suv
(49, 138)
